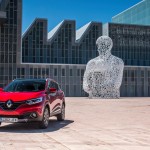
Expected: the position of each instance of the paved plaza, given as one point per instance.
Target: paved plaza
(122, 124)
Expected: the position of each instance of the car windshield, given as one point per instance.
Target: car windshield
(25, 86)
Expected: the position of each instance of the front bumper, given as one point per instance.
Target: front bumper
(28, 117)
(24, 113)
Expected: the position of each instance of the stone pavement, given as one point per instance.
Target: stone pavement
(122, 124)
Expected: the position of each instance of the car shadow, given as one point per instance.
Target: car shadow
(54, 125)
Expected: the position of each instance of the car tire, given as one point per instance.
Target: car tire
(61, 116)
(45, 120)
(0, 123)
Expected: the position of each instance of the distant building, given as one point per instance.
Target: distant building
(131, 43)
(137, 14)
(10, 39)
(62, 53)
(64, 44)
(38, 57)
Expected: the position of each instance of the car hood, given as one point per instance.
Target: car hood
(19, 96)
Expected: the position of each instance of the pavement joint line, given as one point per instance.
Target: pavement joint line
(56, 141)
(106, 143)
(114, 122)
(135, 140)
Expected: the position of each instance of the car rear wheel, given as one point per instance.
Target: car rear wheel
(61, 116)
(45, 121)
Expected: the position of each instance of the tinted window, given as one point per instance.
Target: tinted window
(54, 85)
(25, 86)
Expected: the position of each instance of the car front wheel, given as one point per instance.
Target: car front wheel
(45, 120)
(61, 116)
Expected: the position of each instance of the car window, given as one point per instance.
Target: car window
(49, 82)
(53, 84)
(25, 86)
(56, 86)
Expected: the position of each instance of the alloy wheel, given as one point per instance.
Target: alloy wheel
(46, 117)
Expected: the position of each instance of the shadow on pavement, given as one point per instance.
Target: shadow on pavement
(54, 125)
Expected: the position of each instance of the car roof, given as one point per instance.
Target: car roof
(40, 79)
(29, 80)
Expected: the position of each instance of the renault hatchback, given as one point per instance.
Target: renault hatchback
(26, 100)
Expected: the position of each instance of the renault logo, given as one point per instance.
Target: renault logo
(9, 103)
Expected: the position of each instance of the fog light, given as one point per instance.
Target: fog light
(33, 115)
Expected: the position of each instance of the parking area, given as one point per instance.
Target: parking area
(91, 124)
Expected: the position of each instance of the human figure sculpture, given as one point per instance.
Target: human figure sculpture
(103, 74)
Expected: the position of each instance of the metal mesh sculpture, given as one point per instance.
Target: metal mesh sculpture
(103, 75)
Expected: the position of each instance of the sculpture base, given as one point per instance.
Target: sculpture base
(104, 98)
(111, 95)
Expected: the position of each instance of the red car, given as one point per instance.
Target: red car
(26, 100)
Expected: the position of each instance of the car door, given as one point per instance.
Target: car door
(54, 98)
(51, 96)
(58, 99)
(60, 93)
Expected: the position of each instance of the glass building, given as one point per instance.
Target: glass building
(137, 14)
(10, 39)
(62, 53)
(33, 55)
(62, 45)
(131, 43)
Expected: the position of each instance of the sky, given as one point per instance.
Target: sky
(83, 11)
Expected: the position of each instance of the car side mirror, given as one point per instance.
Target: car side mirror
(52, 90)
(1, 89)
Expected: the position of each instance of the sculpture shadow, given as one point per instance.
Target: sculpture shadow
(54, 125)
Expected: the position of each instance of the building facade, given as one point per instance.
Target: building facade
(131, 43)
(10, 39)
(137, 14)
(62, 45)
(62, 53)
(36, 56)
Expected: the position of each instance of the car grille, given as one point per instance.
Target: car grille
(14, 106)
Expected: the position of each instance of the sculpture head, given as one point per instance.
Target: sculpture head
(104, 44)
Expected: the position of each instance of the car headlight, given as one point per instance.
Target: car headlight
(34, 101)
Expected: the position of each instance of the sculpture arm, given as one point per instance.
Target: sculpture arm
(118, 81)
(87, 79)
(117, 74)
(86, 82)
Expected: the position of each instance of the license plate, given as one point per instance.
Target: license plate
(8, 119)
